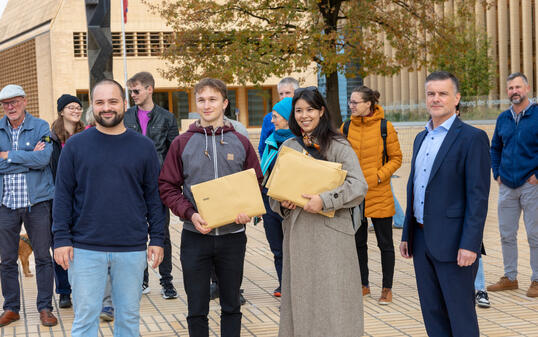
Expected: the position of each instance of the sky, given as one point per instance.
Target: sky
(3, 4)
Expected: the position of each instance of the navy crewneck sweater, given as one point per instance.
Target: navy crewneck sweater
(107, 193)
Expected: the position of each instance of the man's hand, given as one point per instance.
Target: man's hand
(314, 204)
(466, 257)
(63, 255)
(532, 180)
(499, 180)
(155, 254)
(40, 146)
(404, 250)
(200, 224)
(242, 218)
(3, 154)
(288, 204)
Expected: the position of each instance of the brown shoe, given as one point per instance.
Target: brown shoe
(8, 317)
(365, 291)
(533, 289)
(47, 318)
(503, 284)
(386, 296)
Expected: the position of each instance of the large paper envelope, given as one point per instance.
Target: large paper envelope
(285, 150)
(295, 174)
(219, 201)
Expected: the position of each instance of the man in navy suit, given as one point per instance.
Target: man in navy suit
(447, 202)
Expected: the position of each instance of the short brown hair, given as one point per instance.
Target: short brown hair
(213, 83)
(145, 78)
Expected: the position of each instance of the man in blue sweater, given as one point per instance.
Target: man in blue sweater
(106, 195)
(514, 161)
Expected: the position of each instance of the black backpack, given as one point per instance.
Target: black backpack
(383, 135)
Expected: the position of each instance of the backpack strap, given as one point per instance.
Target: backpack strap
(384, 136)
(346, 128)
(310, 149)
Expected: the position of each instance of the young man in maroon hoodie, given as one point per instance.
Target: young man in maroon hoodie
(210, 149)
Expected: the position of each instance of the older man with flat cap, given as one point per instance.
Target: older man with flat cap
(26, 192)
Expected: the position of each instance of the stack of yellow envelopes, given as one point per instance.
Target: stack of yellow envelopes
(295, 174)
(219, 201)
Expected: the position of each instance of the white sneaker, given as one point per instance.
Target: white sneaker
(145, 288)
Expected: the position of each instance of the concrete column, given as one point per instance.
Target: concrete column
(502, 13)
(491, 30)
(396, 91)
(439, 11)
(480, 22)
(373, 82)
(413, 88)
(515, 59)
(449, 8)
(381, 89)
(422, 73)
(404, 85)
(526, 13)
(389, 98)
(242, 105)
(366, 81)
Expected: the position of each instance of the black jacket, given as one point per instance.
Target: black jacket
(162, 128)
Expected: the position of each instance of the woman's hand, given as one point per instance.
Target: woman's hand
(314, 204)
(288, 204)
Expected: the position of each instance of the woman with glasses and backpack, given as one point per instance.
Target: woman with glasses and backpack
(320, 294)
(375, 142)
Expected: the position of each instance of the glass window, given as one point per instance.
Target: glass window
(259, 104)
(161, 98)
(84, 98)
(232, 111)
(180, 104)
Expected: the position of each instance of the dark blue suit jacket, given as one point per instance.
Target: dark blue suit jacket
(456, 200)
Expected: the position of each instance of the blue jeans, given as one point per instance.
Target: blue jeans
(399, 216)
(88, 276)
(480, 280)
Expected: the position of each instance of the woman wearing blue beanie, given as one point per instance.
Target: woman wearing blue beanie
(272, 222)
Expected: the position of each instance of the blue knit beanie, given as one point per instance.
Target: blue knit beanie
(283, 108)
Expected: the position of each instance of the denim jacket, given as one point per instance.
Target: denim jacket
(35, 164)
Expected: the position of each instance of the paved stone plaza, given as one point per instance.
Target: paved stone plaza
(511, 312)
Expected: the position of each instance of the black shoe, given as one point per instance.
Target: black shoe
(242, 298)
(213, 290)
(65, 301)
(482, 299)
(168, 291)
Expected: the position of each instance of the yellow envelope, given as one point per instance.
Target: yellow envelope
(220, 200)
(295, 174)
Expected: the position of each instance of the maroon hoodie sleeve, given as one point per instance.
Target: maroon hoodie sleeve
(252, 158)
(171, 180)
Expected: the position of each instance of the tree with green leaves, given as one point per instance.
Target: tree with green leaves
(250, 40)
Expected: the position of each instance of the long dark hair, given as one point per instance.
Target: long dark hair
(324, 132)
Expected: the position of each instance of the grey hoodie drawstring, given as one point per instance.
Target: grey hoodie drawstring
(206, 152)
(222, 142)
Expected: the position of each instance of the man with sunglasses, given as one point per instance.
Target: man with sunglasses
(26, 191)
(160, 126)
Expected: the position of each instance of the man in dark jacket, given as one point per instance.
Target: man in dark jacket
(514, 160)
(160, 126)
(210, 149)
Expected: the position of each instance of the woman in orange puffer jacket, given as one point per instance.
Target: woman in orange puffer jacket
(364, 134)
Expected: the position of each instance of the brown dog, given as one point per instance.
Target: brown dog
(25, 250)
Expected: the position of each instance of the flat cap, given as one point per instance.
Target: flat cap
(10, 91)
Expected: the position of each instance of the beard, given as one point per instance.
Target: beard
(118, 118)
(516, 99)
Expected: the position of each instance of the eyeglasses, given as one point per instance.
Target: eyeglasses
(11, 103)
(353, 103)
(74, 108)
(136, 91)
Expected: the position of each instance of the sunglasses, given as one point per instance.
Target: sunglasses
(136, 91)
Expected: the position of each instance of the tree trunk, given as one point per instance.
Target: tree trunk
(333, 99)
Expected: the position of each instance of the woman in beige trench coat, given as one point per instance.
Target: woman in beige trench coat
(321, 284)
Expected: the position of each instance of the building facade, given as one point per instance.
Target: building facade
(43, 48)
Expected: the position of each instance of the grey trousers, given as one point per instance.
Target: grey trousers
(511, 202)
